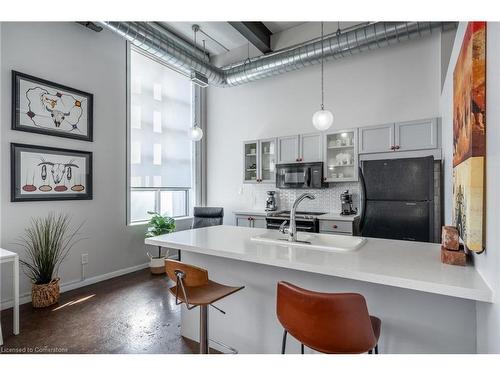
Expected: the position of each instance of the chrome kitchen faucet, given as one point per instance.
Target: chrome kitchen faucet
(292, 229)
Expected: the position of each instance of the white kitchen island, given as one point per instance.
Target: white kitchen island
(425, 306)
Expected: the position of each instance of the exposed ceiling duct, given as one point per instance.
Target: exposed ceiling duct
(366, 37)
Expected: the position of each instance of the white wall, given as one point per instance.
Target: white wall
(74, 56)
(393, 84)
(1, 26)
(488, 263)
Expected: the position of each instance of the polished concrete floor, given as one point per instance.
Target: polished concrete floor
(128, 314)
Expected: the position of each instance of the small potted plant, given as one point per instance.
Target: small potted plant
(158, 225)
(47, 242)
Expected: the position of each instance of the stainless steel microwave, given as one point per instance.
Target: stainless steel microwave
(299, 176)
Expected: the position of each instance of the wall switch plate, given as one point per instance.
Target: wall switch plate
(85, 258)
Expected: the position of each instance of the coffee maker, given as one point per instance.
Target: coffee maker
(271, 201)
(346, 202)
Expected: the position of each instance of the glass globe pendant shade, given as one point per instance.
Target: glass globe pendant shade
(322, 119)
(196, 133)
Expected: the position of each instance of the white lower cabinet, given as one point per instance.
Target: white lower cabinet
(243, 221)
(253, 221)
(345, 227)
(258, 222)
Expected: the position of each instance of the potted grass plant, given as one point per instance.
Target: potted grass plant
(47, 242)
(158, 224)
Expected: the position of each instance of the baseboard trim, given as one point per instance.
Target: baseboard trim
(26, 297)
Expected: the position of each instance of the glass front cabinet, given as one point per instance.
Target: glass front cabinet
(341, 156)
(259, 161)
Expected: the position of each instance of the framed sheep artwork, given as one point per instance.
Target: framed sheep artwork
(48, 174)
(45, 107)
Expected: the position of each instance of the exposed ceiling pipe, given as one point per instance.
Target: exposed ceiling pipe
(180, 57)
(353, 41)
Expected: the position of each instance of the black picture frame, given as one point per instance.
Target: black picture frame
(15, 174)
(16, 110)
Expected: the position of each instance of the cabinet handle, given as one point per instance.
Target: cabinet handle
(397, 147)
(335, 226)
(392, 148)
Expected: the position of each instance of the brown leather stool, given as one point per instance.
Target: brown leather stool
(327, 322)
(195, 289)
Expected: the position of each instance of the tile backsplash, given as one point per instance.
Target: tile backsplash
(327, 200)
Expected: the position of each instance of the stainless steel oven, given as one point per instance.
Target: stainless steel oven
(305, 221)
(299, 176)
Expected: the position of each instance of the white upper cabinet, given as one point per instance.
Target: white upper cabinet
(378, 138)
(416, 135)
(259, 161)
(401, 136)
(250, 162)
(311, 149)
(341, 156)
(288, 149)
(339, 150)
(267, 160)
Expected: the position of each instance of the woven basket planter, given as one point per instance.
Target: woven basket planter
(43, 295)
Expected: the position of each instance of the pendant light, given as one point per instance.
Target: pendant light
(322, 119)
(196, 133)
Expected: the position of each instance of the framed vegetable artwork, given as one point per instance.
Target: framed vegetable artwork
(48, 174)
(45, 107)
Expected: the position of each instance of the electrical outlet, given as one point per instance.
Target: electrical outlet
(85, 258)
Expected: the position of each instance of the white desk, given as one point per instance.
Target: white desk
(5, 257)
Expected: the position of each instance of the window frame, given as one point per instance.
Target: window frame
(194, 194)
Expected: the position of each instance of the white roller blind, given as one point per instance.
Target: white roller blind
(161, 118)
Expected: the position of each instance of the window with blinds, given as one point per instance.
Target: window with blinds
(160, 151)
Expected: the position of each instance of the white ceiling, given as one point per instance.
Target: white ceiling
(222, 32)
(277, 27)
(284, 33)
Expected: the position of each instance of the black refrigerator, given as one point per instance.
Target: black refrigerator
(397, 199)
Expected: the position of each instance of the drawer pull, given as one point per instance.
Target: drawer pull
(335, 226)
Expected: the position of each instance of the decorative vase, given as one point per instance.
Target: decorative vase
(43, 295)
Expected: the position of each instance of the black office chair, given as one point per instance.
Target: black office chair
(207, 216)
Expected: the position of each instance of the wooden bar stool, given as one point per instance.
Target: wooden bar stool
(193, 288)
(335, 323)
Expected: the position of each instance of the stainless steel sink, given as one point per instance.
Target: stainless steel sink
(328, 242)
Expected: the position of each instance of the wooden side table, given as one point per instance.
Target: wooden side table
(5, 257)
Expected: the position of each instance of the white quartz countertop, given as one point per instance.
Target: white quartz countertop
(250, 212)
(403, 264)
(327, 216)
(337, 217)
